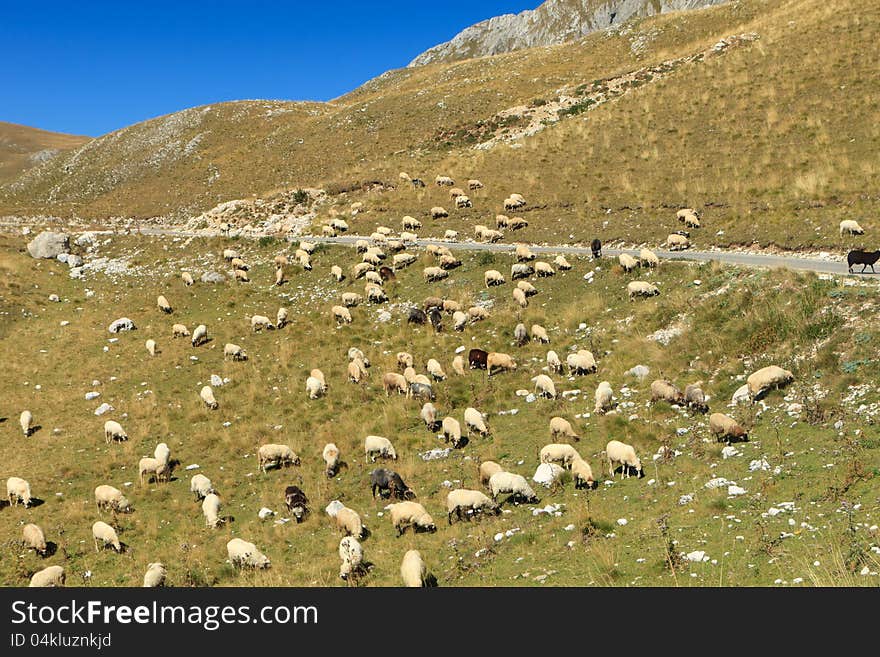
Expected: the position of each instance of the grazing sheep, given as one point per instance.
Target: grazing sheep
(296, 502)
(281, 317)
(374, 280)
(330, 454)
(553, 362)
(419, 389)
(520, 270)
(200, 335)
(260, 322)
(402, 260)
(179, 331)
(281, 260)
(465, 504)
(241, 275)
(26, 420)
(151, 347)
(475, 420)
(340, 313)
(329, 231)
(352, 555)
(438, 212)
(360, 269)
(413, 571)
(187, 278)
(523, 253)
(163, 304)
(109, 496)
(491, 236)
(627, 262)
(393, 381)
(851, 227)
(863, 258)
(665, 390)
(378, 446)
(435, 370)
(336, 272)
(17, 489)
(514, 202)
(582, 474)
(474, 184)
(350, 522)
(432, 274)
(104, 533)
(275, 455)
(520, 297)
(543, 269)
(411, 514)
(625, 455)
(201, 486)
(641, 289)
(355, 353)
(501, 220)
(114, 431)
(451, 429)
(596, 248)
(476, 313)
(768, 378)
(162, 453)
(50, 576)
(404, 360)
(355, 371)
(450, 235)
(448, 262)
(458, 365)
(559, 426)
(544, 386)
(487, 469)
(676, 242)
(539, 333)
(603, 398)
(389, 484)
(493, 277)
(339, 224)
(304, 259)
(207, 395)
(234, 351)
(155, 575)
(211, 510)
(520, 334)
(315, 385)
(561, 262)
(503, 362)
(648, 258)
(684, 213)
(581, 362)
(463, 202)
(517, 223)
(153, 468)
(238, 263)
(33, 538)
(513, 484)
(528, 288)
(451, 306)
(694, 398)
(459, 320)
(229, 254)
(558, 452)
(429, 416)
(444, 180)
(726, 428)
(244, 554)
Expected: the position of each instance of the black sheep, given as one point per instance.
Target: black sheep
(863, 258)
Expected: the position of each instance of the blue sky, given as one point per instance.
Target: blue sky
(91, 67)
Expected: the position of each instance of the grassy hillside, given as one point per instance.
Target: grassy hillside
(22, 147)
(817, 436)
(773, 139)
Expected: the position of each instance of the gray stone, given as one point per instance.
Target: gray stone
(49, 245)
(213, 277)
(62, 257)
(86, 239)
(639, 371)
(74, 260)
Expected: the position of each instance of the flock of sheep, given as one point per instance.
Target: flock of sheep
(406, 512)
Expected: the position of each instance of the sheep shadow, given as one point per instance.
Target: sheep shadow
(34, 430)
(431, 581)
(626, 471)
(35, 502)
(462, 442)
(4, 504)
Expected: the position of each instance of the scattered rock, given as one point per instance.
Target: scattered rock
(92, 395)
(639, 371)
(213, 277)
(333, 508)
(74, 261)
(122, 324)
(741, 395)
(103, 408)
(216, 381)
(265, 512)
(49, 245)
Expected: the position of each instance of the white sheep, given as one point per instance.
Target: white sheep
(676, 242)
(625, 455)
(851, 227)
(493, 277)
(109, 496)
(281, 317)
(438, 212)
(581, 362)
(114, 431)
(435, 370)
(162, 453)
(207, 395)
(627, 262)
(241, 275)
(336, 272)
(410, 514)
(603, 397)
(487, 469)
(459, 320)
(350, 522)
(155, 575)
(34, 538)
(520, 297)
(151, 347)
(314, 387)
(341, 314)
(104, 533)
(553, 362)
(539, 333)
(561, 262)
(378, 446)
(514, 484)
(401, 260)
(465, 503)
(413, 571)
(641, 289)
(201, 486)
(451, 429)
(153, 467)
(559, 426)
(26, 420)
(163, 304)
(187, 278)
(330, 454)
(768, 378)
(49, 576)
(276, 455)
(648, 258)
(544, 269)
(229, 254)
(475, 420)
(242, 553)
(429, 415)
(558, 452)
(211, 510)
(582, 474)
(179, 331)
(200, 335)
(352, 555)
(234, 351)
(17, 489)
(260, 322)
(544, 386)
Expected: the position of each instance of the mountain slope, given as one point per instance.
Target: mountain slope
(22, 147)
(554, 22)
